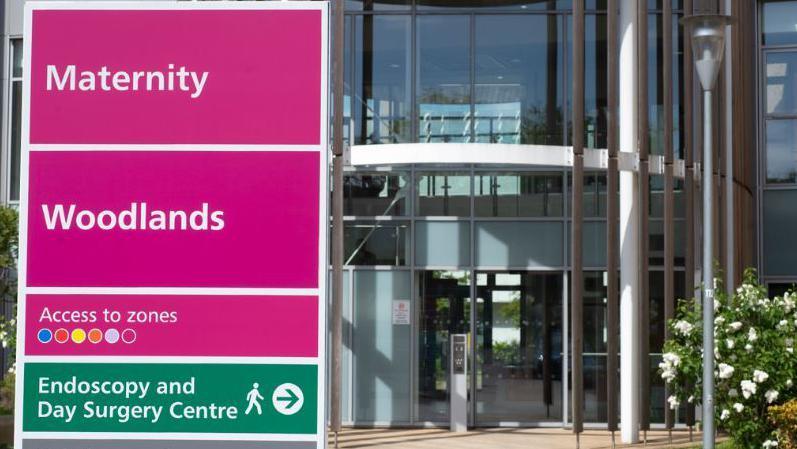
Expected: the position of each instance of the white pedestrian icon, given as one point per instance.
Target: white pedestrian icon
(254, 399)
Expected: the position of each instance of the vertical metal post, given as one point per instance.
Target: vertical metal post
(669, 197)
(612, 216)
(577, 279)
(337, 220)
(643, 137)
(708, 276)
(689, 181)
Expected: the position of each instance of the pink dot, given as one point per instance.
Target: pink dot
(128, 336)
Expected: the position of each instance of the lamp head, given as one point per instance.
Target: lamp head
(707, 33)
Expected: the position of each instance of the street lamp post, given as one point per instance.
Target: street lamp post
(707, 33)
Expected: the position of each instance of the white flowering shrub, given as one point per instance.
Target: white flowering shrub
(754, 359)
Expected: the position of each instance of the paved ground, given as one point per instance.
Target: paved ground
(496, 439)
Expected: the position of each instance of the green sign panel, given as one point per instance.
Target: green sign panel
(201, 398)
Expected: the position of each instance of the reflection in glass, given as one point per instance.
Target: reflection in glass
(444, 309)
(518, 347)
(781, 148)
(780, 22)
(518, 195)
(382, 64)
(595, 99)
(375, 194)
(16, 138)
(518, 79)
(511, 5)
(380, 243)
(778, 232)
(378, 5)
(444, 194)
(16, 51)
(781, 77)
(656, 84)
(594, 203)
(657, 322)
(443, 79)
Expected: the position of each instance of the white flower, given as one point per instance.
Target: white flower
(788, 302)
(725, 414)
(782, 324)
(748, 388)
(733, 393)
(691, 399)
(674, 402)
(716, 305)
(719, 320)
(738, 407)
(771, 396)
(726, 371)
(729, 343)
(752, 335)
(768, 444)
(790, 350)
(789, 383)
(683, 327)
(735, 326)
(789, 342)
(760, 376)
(748, 347)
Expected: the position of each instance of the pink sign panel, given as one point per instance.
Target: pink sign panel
(212, 76)
(173, 219)
(160, 325)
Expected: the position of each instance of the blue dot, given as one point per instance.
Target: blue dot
(45, 336)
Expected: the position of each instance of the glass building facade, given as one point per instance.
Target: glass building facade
(485, 250)
(482, 250)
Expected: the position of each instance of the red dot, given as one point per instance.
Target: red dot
(61, 335)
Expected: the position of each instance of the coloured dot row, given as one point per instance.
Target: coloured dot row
(93, 336)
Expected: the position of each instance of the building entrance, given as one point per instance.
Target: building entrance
(515, 345)
(518, 348)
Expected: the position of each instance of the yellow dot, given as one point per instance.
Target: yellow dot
(78, 336)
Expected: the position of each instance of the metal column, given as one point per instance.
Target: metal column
(689, 181)
(336, 323)
(612, 216)
(669, 197)
(629, 227)
(577, 279)
(643, 138)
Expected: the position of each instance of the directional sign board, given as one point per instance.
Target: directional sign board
(173, 226)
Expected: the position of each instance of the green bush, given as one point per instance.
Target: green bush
(754, 357)
(9, 245)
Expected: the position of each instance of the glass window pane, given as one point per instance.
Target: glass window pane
(511, 5)
(383, 349)
(444, 303)
(382, 70)
(781, 77)
(780, 246)
(780, 22)
(380, 243)
(594, 78)
(518, 347)
(781, 148)
(518, 79)
(442, 244)
(518, 195)
(16, 50)
(444, 79)
(594, 204)
(378, 5)
(16, 138)
(444, 194)
(375, 194)
(519, 244)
